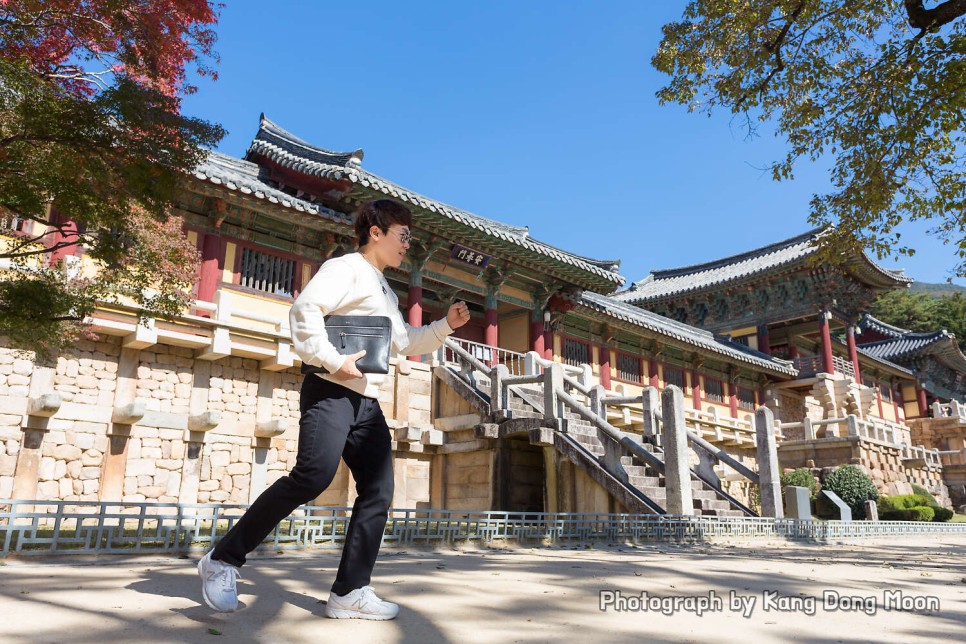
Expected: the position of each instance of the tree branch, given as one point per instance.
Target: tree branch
(775, 47)
(932, 19)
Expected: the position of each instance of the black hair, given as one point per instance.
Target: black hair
(382, 213)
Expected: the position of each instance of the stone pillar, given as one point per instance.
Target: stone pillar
(35, 425)
(677, 474)
(768, 470)
(764, 344)
(127, 411)
(853, 352)
(828, 364)
(194, 448)
(604, 361)
(212, 263)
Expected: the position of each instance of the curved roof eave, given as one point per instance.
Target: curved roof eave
(684, 333)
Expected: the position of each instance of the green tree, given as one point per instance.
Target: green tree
(92, 148)
(879, 85)
(922, 313)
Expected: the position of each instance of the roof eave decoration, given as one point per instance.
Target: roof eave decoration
(684, 334)
(870, 323)
(287, 150)
(675, 282)
(242, 177)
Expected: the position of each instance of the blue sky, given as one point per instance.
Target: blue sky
(531, 113)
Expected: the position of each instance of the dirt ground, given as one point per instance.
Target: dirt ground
(901, 590)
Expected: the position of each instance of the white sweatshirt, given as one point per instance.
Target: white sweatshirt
(350, 285)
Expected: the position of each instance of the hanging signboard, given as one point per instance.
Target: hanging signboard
(469, 256)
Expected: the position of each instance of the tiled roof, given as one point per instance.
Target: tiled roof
(244, 177)
(291, 152)
(869, 323)
(677, 281)
(941, 344)
(685, 333)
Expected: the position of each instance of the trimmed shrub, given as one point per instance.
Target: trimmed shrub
(854, 487)
(921, 491)
(901, 502)
(942, 514)
(919, 513)
(800, 478)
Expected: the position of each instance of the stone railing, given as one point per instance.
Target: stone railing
(877, 431)
(952, 409)
(486, 354)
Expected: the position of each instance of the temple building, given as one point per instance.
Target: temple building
(546, 401)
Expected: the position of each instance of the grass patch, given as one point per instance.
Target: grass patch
(958, 518)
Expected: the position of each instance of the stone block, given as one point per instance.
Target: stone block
(90, 473)
(60, 470)
(67, 452)
(48, 489)
(45, 472)
(140, 467)
(238, 468)
(219, 458)
(797, 503)
(91, 486)
(8, 464)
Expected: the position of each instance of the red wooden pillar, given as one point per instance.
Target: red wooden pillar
(827, 363)
(65, 233)
(414, 303)
(604, 366)
(547, 344)
(733, 398)
(764, 344)
(923, 403)
(212, 263)
(491, 330)
(896, 395)
(536, 332)
(878, 395)
(654, 380)
(696, 389)
(853, 351)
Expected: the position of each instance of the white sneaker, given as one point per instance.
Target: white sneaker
(361, 603)
(218, 584)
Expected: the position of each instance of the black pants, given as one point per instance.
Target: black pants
(336, 423)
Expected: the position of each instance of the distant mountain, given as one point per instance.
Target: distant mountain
(937, 290)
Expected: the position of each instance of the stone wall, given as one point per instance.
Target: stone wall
(157, 424)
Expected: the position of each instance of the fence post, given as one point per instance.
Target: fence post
(852, 422)
(649, 399)
(497, 374)
(768, 472)
(552, 382)
(809, 430)
(597, 404)
(677, 474)
(531, 365)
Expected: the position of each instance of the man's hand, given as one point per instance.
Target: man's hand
(458, 315)
(348, 370)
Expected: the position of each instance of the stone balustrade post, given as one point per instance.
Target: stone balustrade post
(677, 474)
(768, 471)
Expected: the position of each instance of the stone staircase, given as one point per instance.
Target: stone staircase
(582, 443)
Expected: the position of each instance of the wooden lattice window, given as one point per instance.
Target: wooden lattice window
(713, 390)
(746, 398)
(629, 368)
(576, 352)
(269, 273)
(673, 376)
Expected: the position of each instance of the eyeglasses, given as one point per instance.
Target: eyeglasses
(405, 237)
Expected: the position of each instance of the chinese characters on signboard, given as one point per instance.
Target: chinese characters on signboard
(469, 256)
